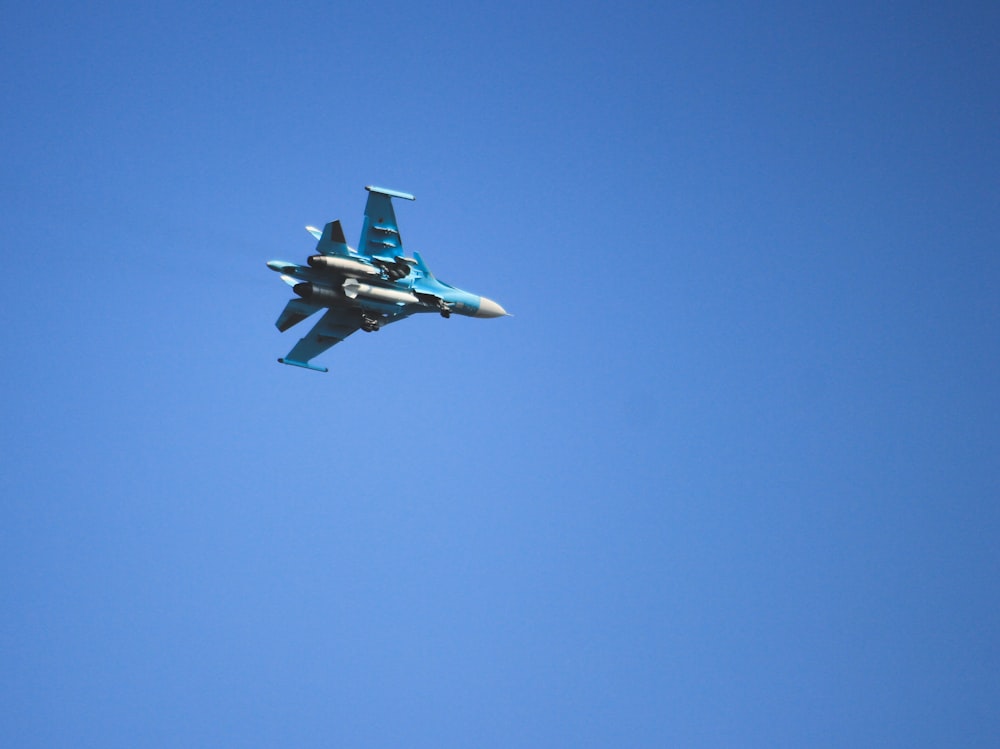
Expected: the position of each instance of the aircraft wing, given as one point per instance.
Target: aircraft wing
(380, 235)
(332, 328)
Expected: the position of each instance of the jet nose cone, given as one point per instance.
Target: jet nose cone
(489, 308)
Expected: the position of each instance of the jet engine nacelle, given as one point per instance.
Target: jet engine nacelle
(317, 294)
(345, 265)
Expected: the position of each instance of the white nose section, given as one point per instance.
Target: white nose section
(489, 308)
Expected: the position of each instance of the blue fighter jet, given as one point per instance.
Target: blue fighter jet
(365, 288)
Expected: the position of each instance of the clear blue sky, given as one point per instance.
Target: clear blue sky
(729, 477)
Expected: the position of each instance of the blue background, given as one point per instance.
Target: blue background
(729, 477)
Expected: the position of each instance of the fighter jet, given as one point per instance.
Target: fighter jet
(365, 288)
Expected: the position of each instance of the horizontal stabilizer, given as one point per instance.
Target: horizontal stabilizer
(295, 312)
(317, 234)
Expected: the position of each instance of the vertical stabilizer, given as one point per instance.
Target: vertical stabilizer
(332, 240)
